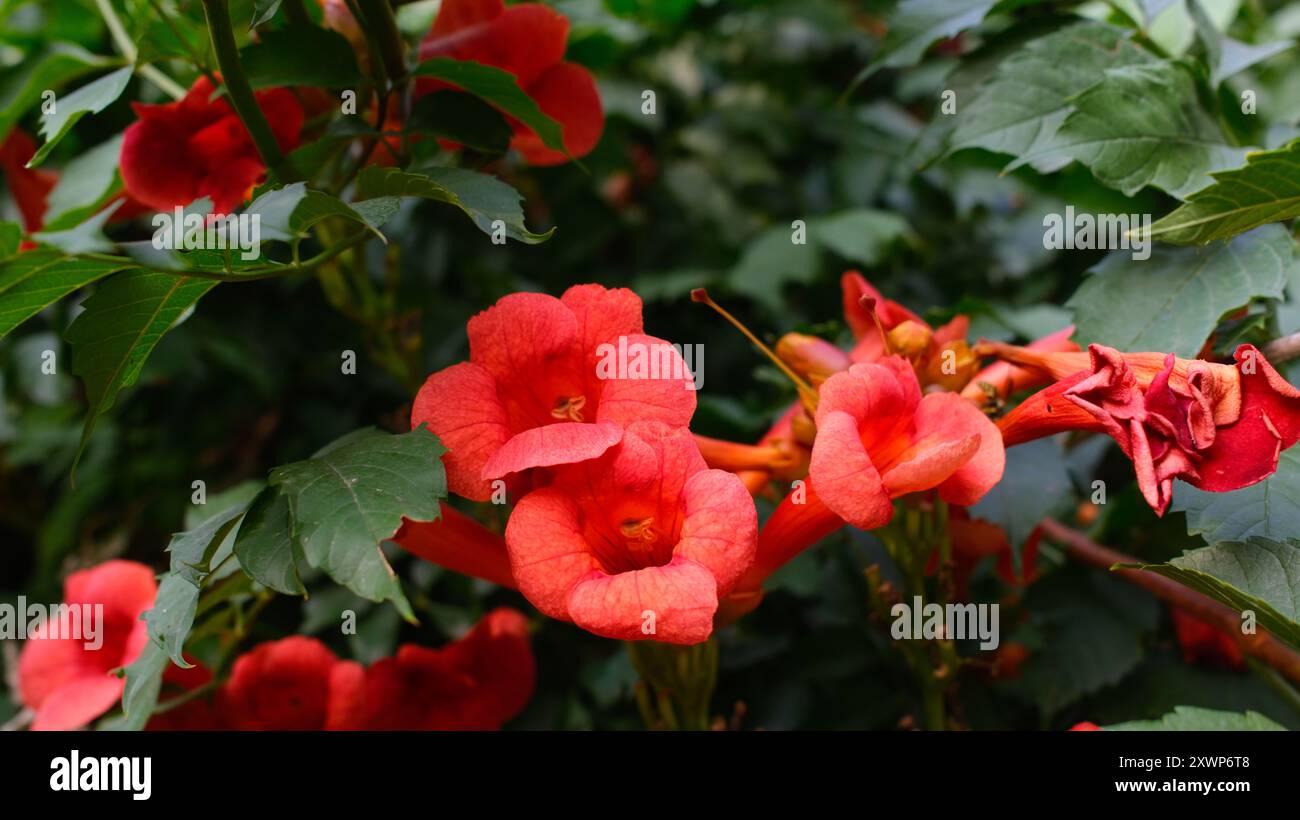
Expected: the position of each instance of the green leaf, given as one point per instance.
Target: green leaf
(915, 25)
(88, 237)
(1258, 575)
(484, 198)
(1172, 301)
(263, 10)
(89, 99)
(1034, 484)
(1266, 189)
(11, 236)
(769, 262)
(861, 235)
(122, 323)
(310, 56)
(265, 545)
(1226, 56)
(501, 89)
(287, 213)
(86, 184)
(42, 70)
(1196, 719)
(143, 684)
(1270, 507)
(348, 499)
(1020, 109)
(1142, 125)
(32, 281)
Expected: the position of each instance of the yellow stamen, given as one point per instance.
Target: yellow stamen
(569, 409)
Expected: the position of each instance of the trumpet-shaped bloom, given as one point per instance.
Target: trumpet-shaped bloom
(474, 684)
(878, 439)
(181, 151)
(1218, 427)
(638, 544)
(65, 681)
(533, 393)
(528, 40)
(295, 684)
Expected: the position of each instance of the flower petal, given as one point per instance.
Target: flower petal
(461, 407)
(566, 92)
(972, 480)
(566, 442)
(548, 554)
(673, 603)
(78, 701)
(719, 526)
(841, 471)
(522, 335)
(668, 398)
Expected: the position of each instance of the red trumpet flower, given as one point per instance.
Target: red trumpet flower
(178, 152)
(474, 684)
(528, 40)
(295, 684)
(1218, 427)
(878, 439)
(533, 393)
(67, 679)
(638, 544)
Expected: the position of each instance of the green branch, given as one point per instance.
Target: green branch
(240, 91)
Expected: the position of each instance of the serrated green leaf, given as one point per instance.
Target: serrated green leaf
(499, 88)
(461, 118)
(1270, 507)
(1266, 189)
(350, 498)
(31, 281)
(1172, 301)
(88, 182)
(1259, 574)
(310, 56)
(1142, 125)
(122, 323)
(1195, 719)
(484, 198)
(68, 110)
(86, 238)
(1020, 109)
(265, 545)
(143, 684)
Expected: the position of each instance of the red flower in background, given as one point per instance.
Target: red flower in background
(29, 187)
(178, 152)
(68, 684)
(878, 439)
(295, 684)
(1203, 643)
(638, 544)
(530, 395)
(200, 714)
(1218, 427)
(476, 683)
(528, 40)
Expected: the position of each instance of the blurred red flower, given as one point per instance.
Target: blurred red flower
(181, 151)
(294, 684)
(639, 544)
(29, 187)
(1203, 643)
(528, 40)
(476, 683)
(64, 681)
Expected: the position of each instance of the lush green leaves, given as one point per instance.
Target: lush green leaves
(1266, 189)
(352, 496)
(122, 323)
(1260, 575)
(1228, 57)
(1195, 719)
(1143, 125)
(265, 546)
(47, 69)
(1270, 507)
(287, 213)
(1034, 484)
(917, 24)
(1172, 301)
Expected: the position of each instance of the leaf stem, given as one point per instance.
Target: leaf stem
(122, 41)
(240, 91)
